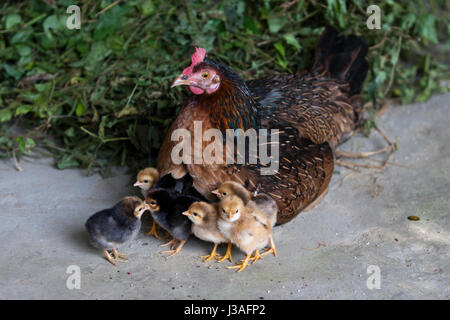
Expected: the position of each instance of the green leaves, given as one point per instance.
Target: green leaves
(276, 23)
(11, 20)
(109, 100)
(426, 28)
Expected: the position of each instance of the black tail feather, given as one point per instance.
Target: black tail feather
(342, 57)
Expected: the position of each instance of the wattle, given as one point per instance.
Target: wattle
(196, 90)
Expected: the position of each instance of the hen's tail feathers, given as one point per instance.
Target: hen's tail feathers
(342, 57)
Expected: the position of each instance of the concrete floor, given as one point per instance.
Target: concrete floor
(361, 222)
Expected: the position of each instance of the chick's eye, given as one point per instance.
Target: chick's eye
(145, 181)
(205, 75)
(153, 203)
(224, 193)
(195, 214)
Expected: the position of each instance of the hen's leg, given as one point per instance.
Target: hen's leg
(362, 155)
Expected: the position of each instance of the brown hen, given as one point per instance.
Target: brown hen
(313, 111)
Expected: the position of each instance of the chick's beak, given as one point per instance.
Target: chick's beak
(216, 192)
(137, 184)
(186, 213)
(182, 79)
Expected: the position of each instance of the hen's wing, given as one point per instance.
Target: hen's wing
(323, 105)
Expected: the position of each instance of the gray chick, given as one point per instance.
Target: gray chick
(110, 228)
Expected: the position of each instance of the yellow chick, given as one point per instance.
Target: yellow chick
(204, 226)
(245, 227)
(262, 202)
(146, 179)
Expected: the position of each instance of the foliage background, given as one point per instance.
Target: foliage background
(101, 96)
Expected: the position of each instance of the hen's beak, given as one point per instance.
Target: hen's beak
(181, 80)
(216, 192)
(186, 213)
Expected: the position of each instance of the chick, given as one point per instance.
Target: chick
(145, 180)
(245, 227)
(262, 202)
(116, 226)
(204, 226)
(166, 209)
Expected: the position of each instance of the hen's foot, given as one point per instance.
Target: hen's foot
(362, 155)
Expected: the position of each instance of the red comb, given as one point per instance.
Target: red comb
(196, 58)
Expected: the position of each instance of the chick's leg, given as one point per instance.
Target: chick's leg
(154, 231)
(109, 258)
(227, 254)
(213, 254)
(173, 252)
(118, 255)
(172, 243)
(241, 266)
(256, 256)
(273, 248)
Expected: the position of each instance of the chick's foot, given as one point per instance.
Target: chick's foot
(272, 249)
(241, 266)
(227, 254)
(114, 257)
(175, 251)
(154, 231)
(212, 255)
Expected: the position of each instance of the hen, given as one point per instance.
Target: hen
(314, 111)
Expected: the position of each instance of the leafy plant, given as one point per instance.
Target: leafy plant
(99, 96)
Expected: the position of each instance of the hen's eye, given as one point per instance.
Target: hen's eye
(205, 75)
